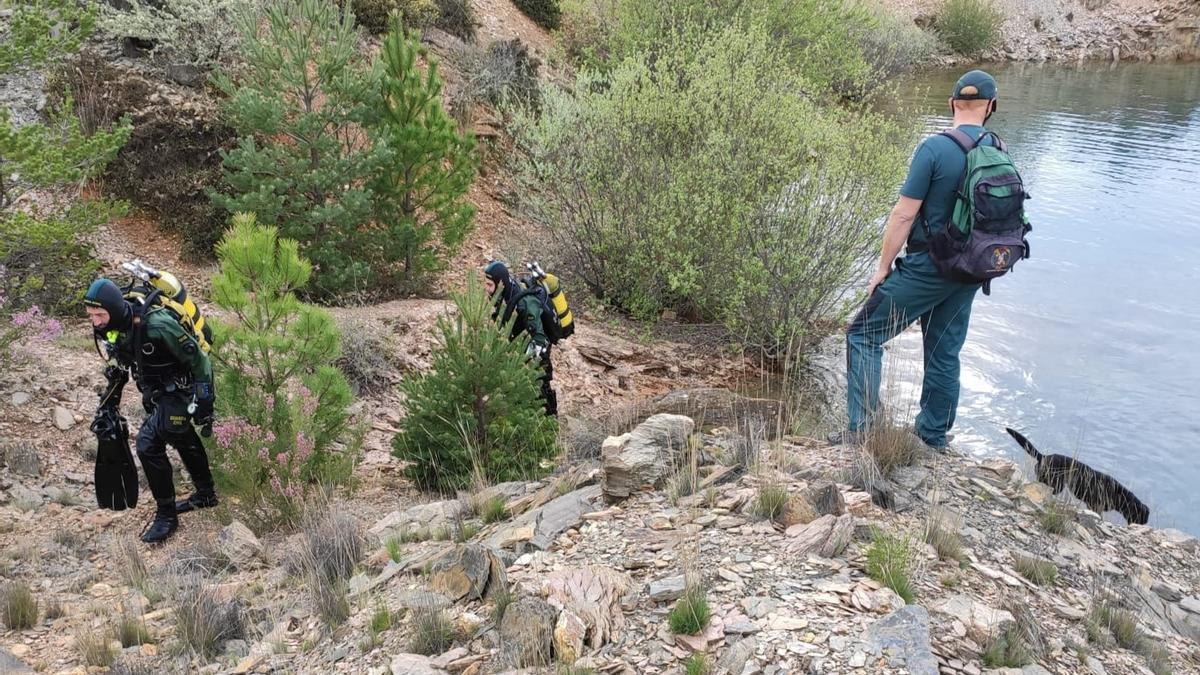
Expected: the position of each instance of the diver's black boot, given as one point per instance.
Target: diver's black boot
(163, 526)
(199, 500)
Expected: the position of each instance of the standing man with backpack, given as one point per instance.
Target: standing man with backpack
(961, 217)
(175, 378)
(528, 306)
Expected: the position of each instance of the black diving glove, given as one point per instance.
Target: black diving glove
(202, 406)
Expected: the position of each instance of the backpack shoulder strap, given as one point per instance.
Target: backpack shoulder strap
(962, 139)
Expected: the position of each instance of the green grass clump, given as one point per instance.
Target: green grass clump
(771, 502)
(1007, 650)
(1040, 572)
(433, 633)
(494, 511)
(969, 26)
(696, 664)
(889, 561)
(691, 612)
(1056, 517)
(131, 631)
(393, 545)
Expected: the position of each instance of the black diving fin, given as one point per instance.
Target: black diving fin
(116, 474)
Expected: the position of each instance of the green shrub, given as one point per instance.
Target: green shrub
(42, 32)
(892, 45)
(457, 17)
(818, 38)
(282, 401)
(423, 171)
(477, 411)
(545, 13)
(18, 607)
(375, 15)
(707, 166)
(691, 612)
(47, 255)
(889, 561)
(299, 162)
(969, 26)
(201, 33)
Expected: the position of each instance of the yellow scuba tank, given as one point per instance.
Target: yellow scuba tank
(172, 295)
(558, 300)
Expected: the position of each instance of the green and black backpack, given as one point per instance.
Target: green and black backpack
(985, 235)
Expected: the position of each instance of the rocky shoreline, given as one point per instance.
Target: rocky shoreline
(594, 558)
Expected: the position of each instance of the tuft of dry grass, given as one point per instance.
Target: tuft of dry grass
(331, 546)
(433, 632)
(94, 647)
(202, 619)
(944, 540)
(18, 607)
(891, 445)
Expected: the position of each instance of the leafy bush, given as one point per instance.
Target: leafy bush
(375, 15)
(283, 402)
(300, 162)
(201, 33)
(45, 254)
(30, 323)
(816, 37)
(423, 170)
(457, 17)
(172, 154)
(969, 26)
(892, 44)
(477, 410)
(503, 74)
(711, 186)
(42, 32)
(889, 561)
(545, 13)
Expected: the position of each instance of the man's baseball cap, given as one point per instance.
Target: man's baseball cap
(973, 85)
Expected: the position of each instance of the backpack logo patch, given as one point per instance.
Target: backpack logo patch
(1000, 258)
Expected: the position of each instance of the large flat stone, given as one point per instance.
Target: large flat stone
(540, 527)
(980, 619)
(903, 637)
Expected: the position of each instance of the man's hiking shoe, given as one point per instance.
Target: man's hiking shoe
(943, 448)
(160, 529)
(847, 437)
(196, 501)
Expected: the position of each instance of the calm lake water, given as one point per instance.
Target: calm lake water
(1091, 347)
